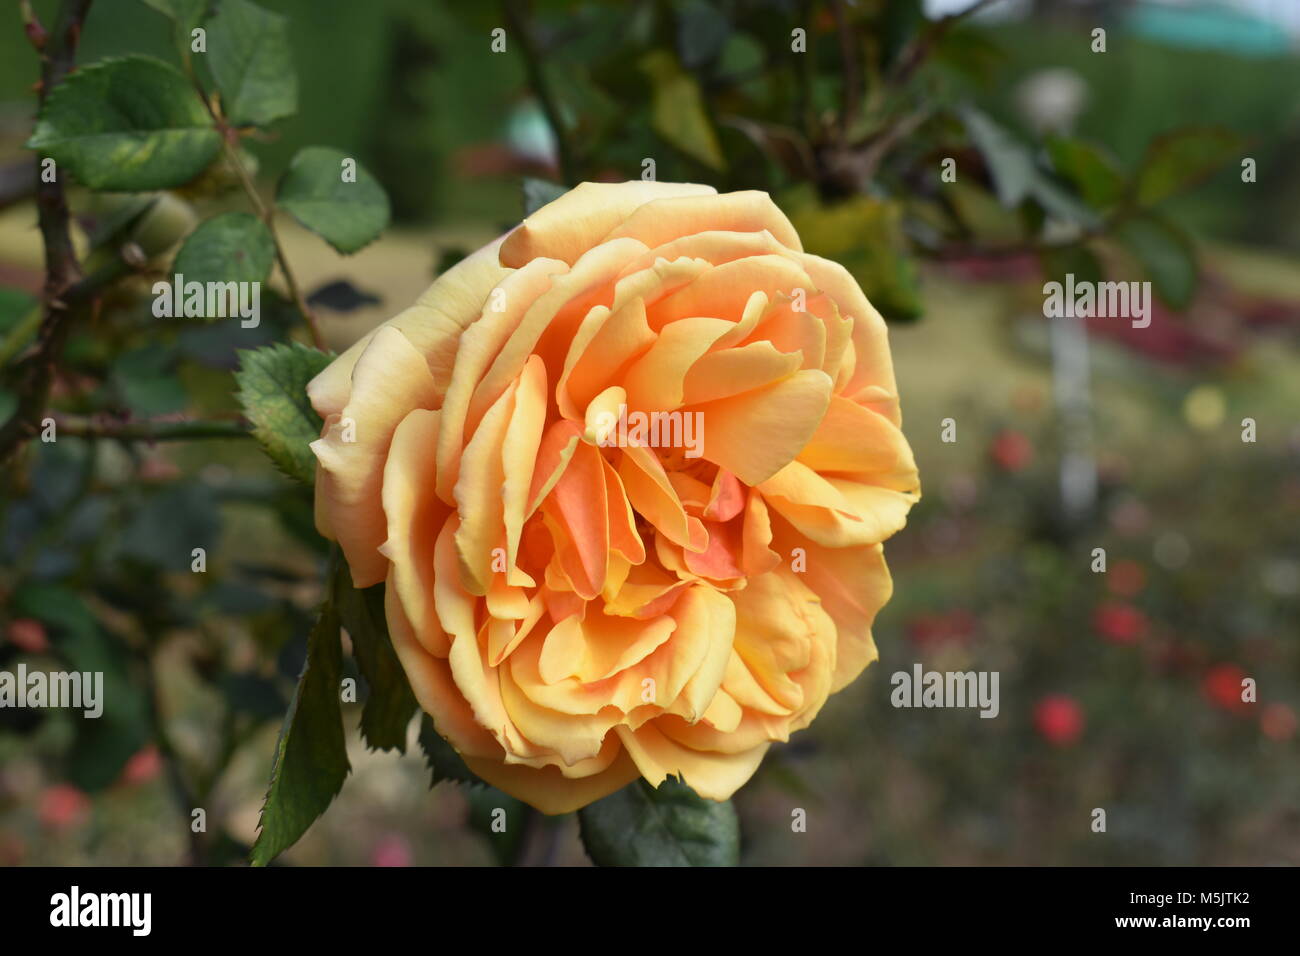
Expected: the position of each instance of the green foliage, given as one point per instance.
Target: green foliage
(144, 381)
(272, 391)
(168, 523)
(1089, 169)
(443, 761)
(1077, 260)
(641, 825)
(248, 48)
(127, 124)
(865, 236)
(102, 746)
(231, 247)
(1182, 158)
(311, 758)
(186, 14)
(678, 111)
(1015, 174)
(490, 810)
(1166, 256)
(347, 215)
(390, 704)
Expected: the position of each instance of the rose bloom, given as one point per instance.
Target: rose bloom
(574, 603)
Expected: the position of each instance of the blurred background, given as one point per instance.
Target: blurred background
(1166, 155)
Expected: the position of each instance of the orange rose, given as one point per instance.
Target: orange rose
(626, 472)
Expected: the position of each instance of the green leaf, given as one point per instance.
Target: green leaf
(1092, 172)
(248, 49)
(232, 247)
(347, 215)
(187, 14)
(311, 758)
(677, 110)
(443, 761)
(127, 124)
(669, 826)
(539, 192)
(14, 306)
(1182, 158)
(390, 704)
(489, 810)
(145, 379)
(273, 393)
(168, 523)
(1016, 176)
(1167, 256)
(1010, 164)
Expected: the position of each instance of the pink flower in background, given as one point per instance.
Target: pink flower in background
(145, 765)
(63, 806)
(952, 627)
(1278, 721)
(392, 850)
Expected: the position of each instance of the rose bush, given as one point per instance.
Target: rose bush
(575, 611)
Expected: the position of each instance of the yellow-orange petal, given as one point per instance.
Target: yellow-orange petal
(389, 381)
(547, 789)
(581, 218)
(415, 517)
(663, 220)
(714, 776)
(755, 434)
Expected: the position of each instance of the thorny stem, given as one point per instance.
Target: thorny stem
(57, 50)
(229, 138)
(149, 431)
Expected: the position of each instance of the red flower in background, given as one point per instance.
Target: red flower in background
(1222, 687)
(1120, 623)
(1011, 450)
(28, 634)
(1059, 719)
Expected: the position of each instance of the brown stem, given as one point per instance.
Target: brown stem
(916, 52)
(57, 50)
(850, 88)
(520, 30)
